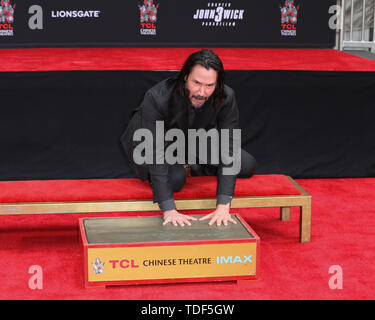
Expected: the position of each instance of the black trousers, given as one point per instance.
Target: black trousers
(177, 173)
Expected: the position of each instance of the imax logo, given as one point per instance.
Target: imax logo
(236, 259)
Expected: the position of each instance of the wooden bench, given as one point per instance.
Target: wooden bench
(121, 195)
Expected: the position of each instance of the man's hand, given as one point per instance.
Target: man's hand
(220, 215)
(177, 218)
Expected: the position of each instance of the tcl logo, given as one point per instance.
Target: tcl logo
(288, 26)
(124, 264)
(6, 26)
(148, 25)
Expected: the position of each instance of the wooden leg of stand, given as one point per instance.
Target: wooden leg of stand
(285, 213)
(305, 223)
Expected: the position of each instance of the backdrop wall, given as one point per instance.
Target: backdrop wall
(67, 124)
(166, 23)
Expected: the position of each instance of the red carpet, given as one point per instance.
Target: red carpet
(131, 189)
(343, 217)
(343, 229)
(173, 59)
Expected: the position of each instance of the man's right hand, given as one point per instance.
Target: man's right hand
(177, 218)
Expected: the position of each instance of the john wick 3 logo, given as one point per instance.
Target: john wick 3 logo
(220, 14)
(221, 141)
(289, 18)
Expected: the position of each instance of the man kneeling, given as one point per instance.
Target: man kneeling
(195, 101)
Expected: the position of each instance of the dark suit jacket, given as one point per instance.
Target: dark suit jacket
(162, 102)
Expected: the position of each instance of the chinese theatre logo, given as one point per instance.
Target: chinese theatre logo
(148, 11)
(289, 18)
(219, 15)
(6, 18)
(98, 266)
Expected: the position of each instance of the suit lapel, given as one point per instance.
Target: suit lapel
(178, 112)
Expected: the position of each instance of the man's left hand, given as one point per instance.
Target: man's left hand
(220, 215)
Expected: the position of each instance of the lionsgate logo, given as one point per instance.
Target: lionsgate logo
(7, 11)
(219, 14)
(78, 14)
(224, 148)
(289, 18)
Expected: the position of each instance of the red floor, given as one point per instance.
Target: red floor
(343, 234)
(343, 216)
(172, 59)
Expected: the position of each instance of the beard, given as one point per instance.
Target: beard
(198, 101)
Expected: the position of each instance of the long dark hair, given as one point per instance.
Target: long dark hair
(207, 59)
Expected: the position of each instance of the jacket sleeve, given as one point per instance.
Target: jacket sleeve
(228, 118)
(152, 111)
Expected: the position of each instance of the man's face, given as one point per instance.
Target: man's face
(201, 84)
